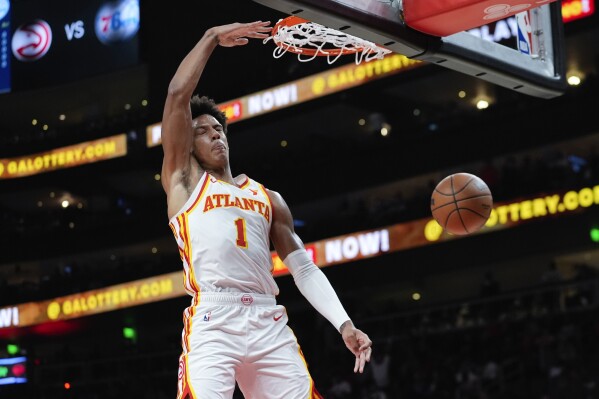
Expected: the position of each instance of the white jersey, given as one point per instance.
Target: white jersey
(222, 233)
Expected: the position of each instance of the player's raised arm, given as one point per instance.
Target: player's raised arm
(312, 282)
(177, 130)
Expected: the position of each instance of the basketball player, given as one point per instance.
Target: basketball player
(234, 330)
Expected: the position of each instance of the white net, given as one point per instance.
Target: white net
(308, 37)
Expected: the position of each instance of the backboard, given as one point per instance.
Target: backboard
(382, 22)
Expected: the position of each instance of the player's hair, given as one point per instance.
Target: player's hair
(206, 106)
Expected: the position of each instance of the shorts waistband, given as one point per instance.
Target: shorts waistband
(228, 298)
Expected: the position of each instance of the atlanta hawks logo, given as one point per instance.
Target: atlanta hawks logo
(498, 11)
(31, 42)
(247, 299)
(181, 372)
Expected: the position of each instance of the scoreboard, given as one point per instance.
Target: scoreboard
(49, 43)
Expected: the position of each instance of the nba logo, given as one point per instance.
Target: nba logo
(207, 316)
(527, 39)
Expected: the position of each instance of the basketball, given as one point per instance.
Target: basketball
(461, 203)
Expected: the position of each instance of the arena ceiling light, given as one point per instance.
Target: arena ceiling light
(574, 78)
(482, 104)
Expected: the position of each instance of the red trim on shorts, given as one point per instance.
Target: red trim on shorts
(315, 393)
(184, 391)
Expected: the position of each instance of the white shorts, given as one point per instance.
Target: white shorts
(245, 338)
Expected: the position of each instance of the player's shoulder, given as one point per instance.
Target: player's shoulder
(275, 198)
(241, 179)
(244, 180)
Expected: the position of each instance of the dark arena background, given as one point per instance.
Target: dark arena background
(91, 294)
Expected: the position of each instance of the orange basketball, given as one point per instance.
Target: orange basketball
(461, 203)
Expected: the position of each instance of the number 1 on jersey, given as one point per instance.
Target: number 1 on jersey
(241, 236)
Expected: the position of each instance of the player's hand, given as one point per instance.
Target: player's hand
(237, 34)
(358, 343)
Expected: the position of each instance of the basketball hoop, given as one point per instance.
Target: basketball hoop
(306, 38)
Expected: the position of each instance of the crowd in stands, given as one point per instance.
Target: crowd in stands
(515, 177)
(69, 277)
(541, 342)
(511, 178)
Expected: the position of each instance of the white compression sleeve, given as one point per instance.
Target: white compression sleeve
(317, 289)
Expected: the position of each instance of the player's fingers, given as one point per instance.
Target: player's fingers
(357, 364)
(258, 35)
(362, 362)
(263, 29)
(252, 27)
(257, 25)
(255, 35)
(368, 354)
(258, 28)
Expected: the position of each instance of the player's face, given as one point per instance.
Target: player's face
(210, 142)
